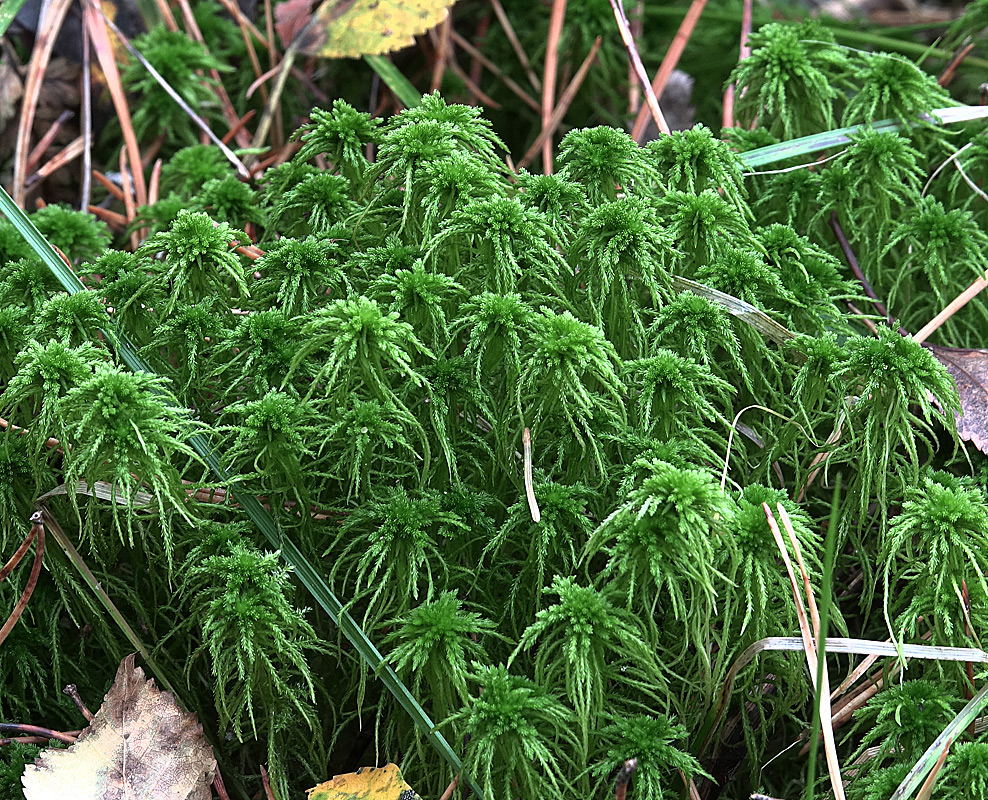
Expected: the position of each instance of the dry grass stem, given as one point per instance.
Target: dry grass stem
(952, 308)
(473, 52)
(651, 100)
(562, 106)
(48, 29)
(509, 31)
(669, 62)
(556, 19)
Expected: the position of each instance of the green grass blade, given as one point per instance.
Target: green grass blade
(306, 573)
(952, 732)
(807, 145)
(396, 82)
(7, 13)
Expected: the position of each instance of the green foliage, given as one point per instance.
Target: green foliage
(370, 377)
(516, 730)
(791, 80)
(649, 739)
(192, 260)
(80, 236)
(180, 61)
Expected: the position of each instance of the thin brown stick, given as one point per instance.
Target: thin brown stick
(109, 217)
(154, 185)
(950, 71)
(267, 784)
(72, 691)
(444, 52)
(100, 36)
(87, 122)
(36, 730)
(743, 52)
(166, 15)
(114, 190)
(669, 62)
(562, 106)
(39, 149)
(19, 553)
(129, 206)
(926, 790)
(852, 262)
(472, 51)
(479, 34)
(450, 789)
(218, 784)
(509, 31)
(239, 126)
(229, 113)
(629, 43)
(65, 156)
(38, 529)
(48, 29)
(952, 308)
(556, 19)
(473, 88)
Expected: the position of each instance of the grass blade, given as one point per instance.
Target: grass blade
(396, 82)
(8, 12)
(821, 141)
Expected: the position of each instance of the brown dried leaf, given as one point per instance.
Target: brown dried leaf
(969, 369)
(140, 744)
(290, 17)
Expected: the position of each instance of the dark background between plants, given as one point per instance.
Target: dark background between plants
(413, 313)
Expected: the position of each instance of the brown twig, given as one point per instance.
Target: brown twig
(112, 218)
(444, 53)
(39, 149)
(65, 156)
(562, 106)
(72, 691)
(556, 19)
(483, 60)
(115, 191)
(218, 784)
(38, 531)
(509, 31)
(267, 784)
(952, 308)
(852, 262)
(669, 62)
(37, 730)
(19, 553)
(50, 25)
(624, 778)
(629, 43)
(100, 36)
(743, 52)
(130, 207)
(479, 34)
(450, 789)
(950, 71)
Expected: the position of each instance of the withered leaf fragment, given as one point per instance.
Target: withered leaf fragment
(140, 744)
(969, 369)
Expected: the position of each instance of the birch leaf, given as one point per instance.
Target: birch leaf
(369, 783)
(139, 744)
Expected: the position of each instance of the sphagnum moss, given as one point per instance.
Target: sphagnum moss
(413, 315)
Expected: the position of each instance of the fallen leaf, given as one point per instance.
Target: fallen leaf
(353, 28)
(369, 783)
(140, 744)
(969, 369)
(290, 17)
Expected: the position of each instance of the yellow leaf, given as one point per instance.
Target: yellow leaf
(369, 783)
(353, 28)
